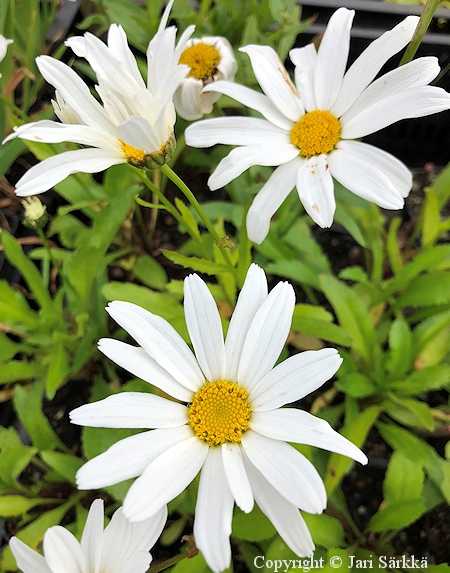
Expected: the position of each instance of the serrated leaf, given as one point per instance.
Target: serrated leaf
(14, 308)
(397, 515)
(325, 530)
(428, 289)
(14, 456)
(404, 479)
(252, 526)
(356, 385)
(195, 263)
(66, 465)
(16, 370)
(295, 270)
(410, 413)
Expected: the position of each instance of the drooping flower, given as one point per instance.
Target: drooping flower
(122, 547)
(210, 59)
(4, 43)
(134, 124)
(233, 427)
(310, 130)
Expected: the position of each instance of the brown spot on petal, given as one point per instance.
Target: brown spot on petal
(315, 207)
(38, 138)
(287, 79)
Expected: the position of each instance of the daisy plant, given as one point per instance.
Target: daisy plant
(121, 547)
(311, 129)
(225, 417)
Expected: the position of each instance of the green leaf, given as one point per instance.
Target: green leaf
(295, 270)
(399, 357)
(299, 237)
(429, 289)
(16, 505)
(431, 223)
(409, 412)
(59, 365)
(325, 530)
(150, 272)
(28, 270)
(356, 385)
(196, 264)
(66, 465)
(276, 553)
(28, 405)
(404, 479)
(8, 348)
(397, 515)
(252, 526)
(196, 564)
(14, 308)
(429, 329)
(16, 370)
(14, 456)
(424, 380)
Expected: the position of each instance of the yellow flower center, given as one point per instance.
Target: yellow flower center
(317, 132)
(203, 60)
(219, 412)
(134, 155)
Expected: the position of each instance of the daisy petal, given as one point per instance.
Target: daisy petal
(129, 457)
(213, 513)
(137, 563)
(415, 102)
(141, 365)
(395, 170)
(284, 515)
(28, 560)
(53, 170)
(332, 58)
(205, 328)
(62, 551)
(138, 132)
(118, 46)
(287, 470)
(92, 538)
(235, 131)
(275, 81)
(316, 191)
(237, 476)
(304, 60)
(366, 67)
(152, 490)
(415, 74)
(295, 378)
(270, 198)
(266, 336)
(187, 100)
(364, 178)
(130, 410)
(240, 159)
(253, 294)
(160, 340)
(252, 99)
(291, 425)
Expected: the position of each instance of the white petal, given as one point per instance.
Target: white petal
(137, 563)
(118, 46)
(138, 132)
(129, 457)
(160, 340)
(304, 60)
(28, 560)
(415, 74)
(252, 99)
(141, 365)
(399, 175)
(236, 475)
(414, 102)
(62, 551)
(187, 99)
(253, 294)
(275, 81)
(266, 336)
(291, 425)
(153, 489)
(53, 170)
(4, 43)
(92, 538)
(235, 131)
(295, 378)
(316, 191)
(284, 515)
(287, 470)
(269, 199)
(332, 58)
(213, 513)
(364, 178)
(366, 67)
(205, 328)
(131, 410)
(240, 159)
(74, 92)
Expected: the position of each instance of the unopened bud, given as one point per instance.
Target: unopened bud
(35, 213)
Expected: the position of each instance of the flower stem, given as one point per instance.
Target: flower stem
(167, 563)
(422, 27)
(170, 174)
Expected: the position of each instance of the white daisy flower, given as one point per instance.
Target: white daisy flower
(4, 43)
(210, 59)
(233, 427)
(310, 130)
(122, 547)
(135, 122)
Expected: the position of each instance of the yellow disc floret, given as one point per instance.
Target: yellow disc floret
(317, 132)
(203, 60)
(219, 412)
(134, 156)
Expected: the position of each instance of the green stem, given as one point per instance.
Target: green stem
(422, 27)
(193, 201)
(167, 563)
